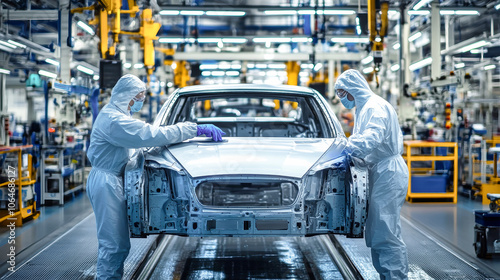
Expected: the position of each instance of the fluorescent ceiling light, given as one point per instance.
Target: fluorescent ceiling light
(127, 65)
(489, 67)
(226, 13)
(236, 66)
(338, 12)
(234, 40)
(396, 46)
(208, 66)
(8, 44)
(306, 65)
(420, 64)
(367, 59)
(250, 65)
(472, 46)
(96, 77)
(467, 12)
(217, 73)
(209, 40)
(261, 66)
(303, 74)
(272, 40)
(138, 65)
(446, 12)
(497, 6)
(47, 74)
(16, 44)
(460, 65)
(350, 40)
(232, 73)
(306, 12)
(418, 13)
(317, 67)
(224, 66)
(169, 13)
(393, 13)
(85, 70)
(192, 13)
(301, 39)
(476, 51)
(52, 61)
(276, 66)
(171, 40)
(86, 27)
(421, 4)
(280, 12)
(395, 67)
(4, 71)
(368, 70)
(414, 36)
(206, 73)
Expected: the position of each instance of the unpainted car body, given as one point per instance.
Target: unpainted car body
(277, 173)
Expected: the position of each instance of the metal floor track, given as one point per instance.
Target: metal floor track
(428, 258)
(73, 255)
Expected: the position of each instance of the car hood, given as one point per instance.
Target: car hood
(287, 157)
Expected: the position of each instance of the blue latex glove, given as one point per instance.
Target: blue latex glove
(210, 130)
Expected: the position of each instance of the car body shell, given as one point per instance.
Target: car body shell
(247, 186)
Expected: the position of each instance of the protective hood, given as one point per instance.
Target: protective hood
(354, 83)
(125, 89)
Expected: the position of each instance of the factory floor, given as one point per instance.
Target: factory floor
(450, 226)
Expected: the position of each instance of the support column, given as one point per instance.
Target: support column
(331, 78)
(435, 40)
(406, 109)
(66, 53)
(449, 33)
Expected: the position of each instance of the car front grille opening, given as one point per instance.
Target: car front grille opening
(271, 194)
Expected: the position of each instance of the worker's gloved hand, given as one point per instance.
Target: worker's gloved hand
(210, 130)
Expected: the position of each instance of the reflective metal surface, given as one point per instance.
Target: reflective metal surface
(258, 156)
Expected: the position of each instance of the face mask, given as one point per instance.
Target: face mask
(347, 103)
(137, 106)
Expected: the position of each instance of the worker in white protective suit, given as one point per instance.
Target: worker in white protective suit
(377, 139)
(114, 133)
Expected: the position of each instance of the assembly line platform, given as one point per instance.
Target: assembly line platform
(73, 255)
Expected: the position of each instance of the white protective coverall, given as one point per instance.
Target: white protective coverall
(113, 134)
(377, 139)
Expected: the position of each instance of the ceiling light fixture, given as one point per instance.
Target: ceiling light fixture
(226, 13)
(171, 40)
(414, 36)
(395, 67)
(396, 46)
(85, 70)
(138, 65)
(489, 67)
(272, 40)
(497, 7)
(367, 59)
(472, 46)
(467, 13)
(419, 64)
(47, 74)
(368, 70)
(301, 40)
(86, 27)
(127, 65)
(209, 40)
(192, 13)
(16, 44)
(234, 40)
(8, 45)
(208, 66)
(218, 73)
(418, 13)
(421, 4)
(96, 77)
(460, 65)
(232, 73)
(4, 71)
(52, 61)
(169, 13)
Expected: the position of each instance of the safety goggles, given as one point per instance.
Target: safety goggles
(341, 93)
(141, 99)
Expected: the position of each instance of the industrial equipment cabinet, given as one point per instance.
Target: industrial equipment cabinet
(487, 228)
(25, 178)
(410, 157)
(58, 172)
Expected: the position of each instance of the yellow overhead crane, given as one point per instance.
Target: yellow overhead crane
(105, 9)
(377, 13)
